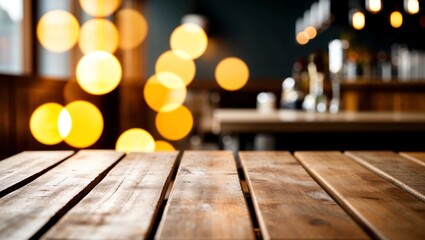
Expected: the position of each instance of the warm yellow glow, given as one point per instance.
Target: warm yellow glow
(100, 8)
(64, 123)
(176, 124)
(373, 6)
(411, 6)
(178, 63)
(44, 123)
(396, 19)
(302, 38)
(135, 140)
(98, 34)
(231, 73)
(163, 146)
(87, 124)
(311, 32)
(58, 31)
(189, 38)
(132, 27)
(170, 80)
(99, 72)
(358, 20)
(164, 92)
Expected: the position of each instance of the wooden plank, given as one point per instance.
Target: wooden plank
(206, 201)
(28, 211)
(283, 192)
(24, 167)
(385, 210)
(418, 157)
(124, 204)
(404, 173)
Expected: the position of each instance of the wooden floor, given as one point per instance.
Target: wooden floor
(103, 194)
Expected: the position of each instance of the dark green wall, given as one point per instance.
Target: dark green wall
(261, 32)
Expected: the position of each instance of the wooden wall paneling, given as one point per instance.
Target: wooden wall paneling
(5, 119)
(382, 101)
(350, 101)
(28, 95)
(132, 108)
(375, 95)
(413, 101)
(107, 104)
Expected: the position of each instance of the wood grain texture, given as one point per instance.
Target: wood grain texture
(24, 167)
(283, 192)
(404, 173)
(26, 211)
(124, 204)
(385, 210)
(418, 157)
(206, 201)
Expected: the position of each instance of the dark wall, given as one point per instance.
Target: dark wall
(261, 32)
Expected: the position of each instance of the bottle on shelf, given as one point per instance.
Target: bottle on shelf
(294, 88)
(337, 54)
(316, 100)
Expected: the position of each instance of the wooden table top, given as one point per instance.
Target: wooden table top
(103, 194)
(251, 120)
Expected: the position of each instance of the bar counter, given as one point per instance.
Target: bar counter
(104, 194)
(250, 129)
(252, 120)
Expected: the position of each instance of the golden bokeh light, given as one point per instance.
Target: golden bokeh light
(58, 31)
(87, 124)
(99, 72)
(100, 8)
(412, 6)
(64, 123)
(44, 123)
(189, 38)
(358, 20)
(132, 27)
(176, 62)
(164, 92)
(311, 32)
(98, 34)
(302, 38)
(163, 146)
(396, 19)
(174, 125)
(231, 73)
(135, 140)
(373, 6)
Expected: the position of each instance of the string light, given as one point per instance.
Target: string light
(411, 6)
(373, 6)
(358, 20)
(396, 19)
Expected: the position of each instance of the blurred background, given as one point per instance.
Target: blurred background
(377, 57)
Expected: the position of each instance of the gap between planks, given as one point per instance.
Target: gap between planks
(74, 201)
(382, 221)
(35, 175)
(248, 199)
(157, 220)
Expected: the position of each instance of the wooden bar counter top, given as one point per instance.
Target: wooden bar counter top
(252, 120)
